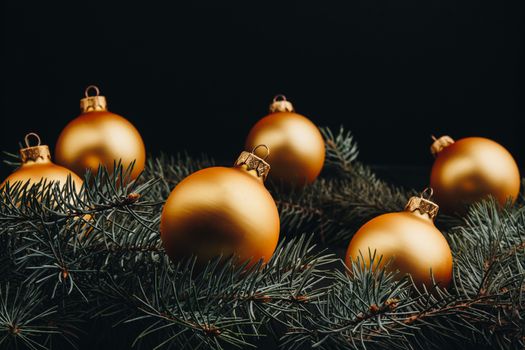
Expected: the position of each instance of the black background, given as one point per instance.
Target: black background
(197, 75)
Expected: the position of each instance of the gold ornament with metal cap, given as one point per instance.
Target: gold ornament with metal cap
(220, 211)
(409, 240)
(99, 137)
(298, 148)
(37, 166)
(472, 169)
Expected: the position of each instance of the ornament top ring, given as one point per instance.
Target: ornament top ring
(92, 87)
(35, 135)
(428, 191)
(263, 146)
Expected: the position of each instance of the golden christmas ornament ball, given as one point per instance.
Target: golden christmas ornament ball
(409, 240)
(471, 169)
(298, 149)
(37, 166)
(99, 137)
(222, 211)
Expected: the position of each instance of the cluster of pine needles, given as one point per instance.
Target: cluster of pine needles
(85, 268)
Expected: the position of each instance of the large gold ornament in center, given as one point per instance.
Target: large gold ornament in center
(222, 211)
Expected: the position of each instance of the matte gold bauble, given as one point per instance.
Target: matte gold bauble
(37, 166)
(409, 240)
(472, 169)
(99, 137)
(298, 149)
(222, 211)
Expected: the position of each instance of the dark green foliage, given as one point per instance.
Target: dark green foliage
(484, 308)
(79, 263)
(341, 201)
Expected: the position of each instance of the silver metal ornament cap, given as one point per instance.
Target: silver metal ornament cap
(250, 161)
(423, 205)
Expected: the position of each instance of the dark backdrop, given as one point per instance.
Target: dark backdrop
(196, 75)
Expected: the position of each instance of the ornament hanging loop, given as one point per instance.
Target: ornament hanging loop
(92, 87)
(279, 97)
(35, 135)
(427, 193)
(263, 146)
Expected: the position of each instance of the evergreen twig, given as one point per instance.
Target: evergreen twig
(70, 256)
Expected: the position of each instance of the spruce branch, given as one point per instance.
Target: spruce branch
(368, 309)
(227, 303)
(27, 320)
(348, 195)
(341, 149)
(170, 170)
(69, 255)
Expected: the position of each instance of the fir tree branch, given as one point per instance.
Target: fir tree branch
(348, 195)
(484, 307)
(71, 255)
(226, 303)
